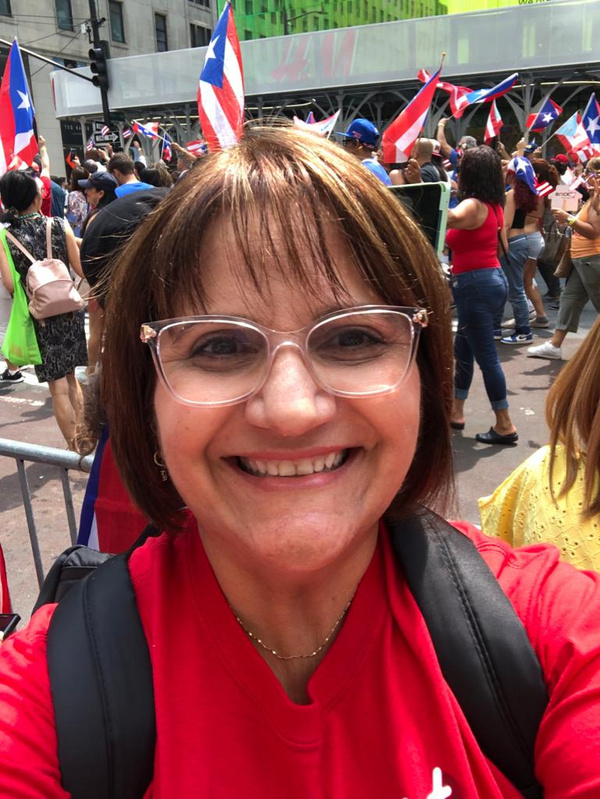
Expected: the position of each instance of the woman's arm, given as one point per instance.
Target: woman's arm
(589, 229)
(509, 211)
(440, 135)
(5, 273)
(468, 215)
(73, 249)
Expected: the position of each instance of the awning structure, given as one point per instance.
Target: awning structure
(373, 64)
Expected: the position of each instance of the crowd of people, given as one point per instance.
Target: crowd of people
(279, 408)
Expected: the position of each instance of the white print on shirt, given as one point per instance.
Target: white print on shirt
(438, 790)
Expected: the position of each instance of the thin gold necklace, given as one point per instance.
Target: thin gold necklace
(276, 654)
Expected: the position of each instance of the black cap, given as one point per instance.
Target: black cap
(102, 181)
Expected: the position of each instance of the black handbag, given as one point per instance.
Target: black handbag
(556, 242)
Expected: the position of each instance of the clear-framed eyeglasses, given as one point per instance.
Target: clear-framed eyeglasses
(222, 360)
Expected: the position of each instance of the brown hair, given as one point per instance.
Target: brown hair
(122, 162)
(275, 179)
(546, 171)
(573, 415)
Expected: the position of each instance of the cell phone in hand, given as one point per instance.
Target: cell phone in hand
(8, 624)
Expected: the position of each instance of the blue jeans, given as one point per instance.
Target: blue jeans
(479, 297)
(518, 252)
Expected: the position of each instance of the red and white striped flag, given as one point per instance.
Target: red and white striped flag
(197, 147)
(544, 188)
(493, 125)
(455, 92)
(105, 130)
(400, 136)
(90, 144)
(221, 86)
(127, 133)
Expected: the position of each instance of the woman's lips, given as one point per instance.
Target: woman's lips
(297, 467)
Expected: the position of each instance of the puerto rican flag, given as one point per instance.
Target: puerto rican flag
(400, 136)
(455, 92)
(148, 129)
(90, 144)
(167, 152)
(591, 120)
(18, 144)
(196, 147)
(544, 188)
(572, 135)
(323, 128)
(485, 95)
(105, 130)
(221, 86)
(493, 125)
(544, 116)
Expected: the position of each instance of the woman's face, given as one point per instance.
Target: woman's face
(296, 524)
(93, 195)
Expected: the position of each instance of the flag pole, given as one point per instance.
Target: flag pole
(420, 136)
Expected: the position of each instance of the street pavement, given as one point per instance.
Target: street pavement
(26, 415)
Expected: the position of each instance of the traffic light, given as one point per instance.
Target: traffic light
(99, 68)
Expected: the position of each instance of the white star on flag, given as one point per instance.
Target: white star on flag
(592, 126)
(24, 100)
(547, 117)
(210, 53)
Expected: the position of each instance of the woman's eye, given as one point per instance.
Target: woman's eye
(352, 341)
(220, 346)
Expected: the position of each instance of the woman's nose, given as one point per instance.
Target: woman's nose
(290, 402)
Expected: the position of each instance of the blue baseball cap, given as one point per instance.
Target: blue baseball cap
(362, 130)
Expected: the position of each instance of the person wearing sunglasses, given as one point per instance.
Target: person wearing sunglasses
(277, 377)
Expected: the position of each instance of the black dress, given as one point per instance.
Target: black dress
(61, 338)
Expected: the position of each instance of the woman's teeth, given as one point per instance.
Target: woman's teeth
(300, 468)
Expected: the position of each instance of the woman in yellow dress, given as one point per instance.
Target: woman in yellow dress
(554, 496)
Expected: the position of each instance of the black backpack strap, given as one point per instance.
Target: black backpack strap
(101, 684)
(481, 644)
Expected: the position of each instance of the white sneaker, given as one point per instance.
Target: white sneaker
(545, 350)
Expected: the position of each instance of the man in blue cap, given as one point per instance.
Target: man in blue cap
(361, 140)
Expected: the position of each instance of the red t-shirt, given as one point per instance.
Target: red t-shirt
(46, 196)
(476, 249)
(381, 723)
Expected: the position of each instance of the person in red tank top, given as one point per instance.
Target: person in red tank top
(479, 288)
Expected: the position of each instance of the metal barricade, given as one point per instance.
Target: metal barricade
(61, 460)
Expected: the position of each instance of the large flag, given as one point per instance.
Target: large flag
(455, 92)
(16, 114)
(485, 95)
(544, 116)
(323, 128)
(221, 86)
(591, 120)
(400, 136)
(149, 129)
(493, 125)
(572, 135)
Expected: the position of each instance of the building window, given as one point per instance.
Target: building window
(199, 35)
(117, 29)
(205, 3)
(5, 8)
(64, 15)
(160, 26)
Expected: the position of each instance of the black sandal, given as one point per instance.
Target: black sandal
(492, 437)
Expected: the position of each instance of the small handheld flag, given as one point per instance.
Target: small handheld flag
(167, 152)
(323, 128)
(544, 116)
(572, 135)
(485, 95)
(400, 136)
(544, 189)
(16, 113)
(90, 144)
(493, 125)
(150, 129)
(127, 133)
(591, 120)
(196, 147)
(105, 130)
(221, 86)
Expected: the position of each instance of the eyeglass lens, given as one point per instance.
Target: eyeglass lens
(220, 361)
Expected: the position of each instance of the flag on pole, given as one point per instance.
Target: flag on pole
(544, 116)
(221, 86)
(90, 144)
(400, 136)
(127, 133)
(16, 114)
(196, 147)
(167, 152)
(493, 125)
(455, 92)
(591, 120)
(105, 130)
(323, 128)
(572, 134)
(149, 129)
(310, 119)
(485, 95)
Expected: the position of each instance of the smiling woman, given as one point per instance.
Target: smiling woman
(278, 382)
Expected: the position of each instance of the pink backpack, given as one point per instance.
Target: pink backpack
(50, 287)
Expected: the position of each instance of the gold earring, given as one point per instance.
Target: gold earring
(162, 466)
